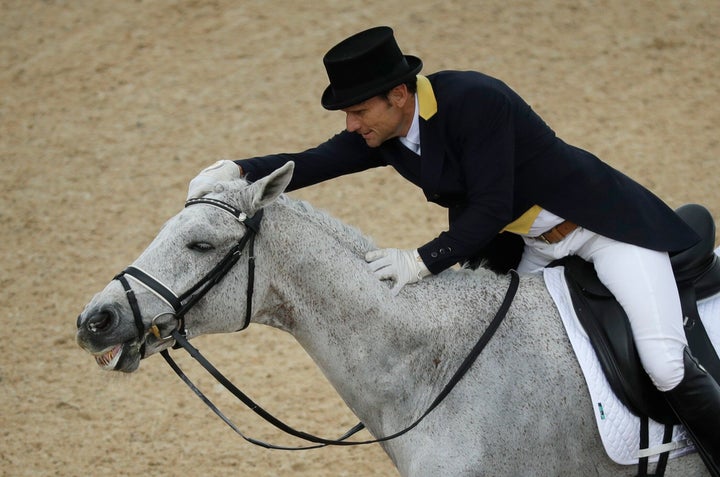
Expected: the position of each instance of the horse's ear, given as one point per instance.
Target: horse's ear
(271, 186)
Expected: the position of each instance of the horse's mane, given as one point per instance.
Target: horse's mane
(349, 236)
(465, 283)
(354, 240)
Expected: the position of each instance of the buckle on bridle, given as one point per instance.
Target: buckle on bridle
(154, 329)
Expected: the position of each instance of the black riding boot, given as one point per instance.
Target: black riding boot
(696, 402)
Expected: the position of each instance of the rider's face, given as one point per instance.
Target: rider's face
(379, 119)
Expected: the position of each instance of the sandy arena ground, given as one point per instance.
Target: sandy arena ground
(108, 108)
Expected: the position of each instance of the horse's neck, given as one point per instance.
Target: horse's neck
(377, 351)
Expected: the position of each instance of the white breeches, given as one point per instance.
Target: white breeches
(642, 280)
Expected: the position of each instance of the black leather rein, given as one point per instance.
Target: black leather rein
(183, 303)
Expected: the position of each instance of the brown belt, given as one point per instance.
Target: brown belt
(557, 233)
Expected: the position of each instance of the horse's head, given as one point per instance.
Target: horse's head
(136, 312)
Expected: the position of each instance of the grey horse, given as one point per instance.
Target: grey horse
(522, 409)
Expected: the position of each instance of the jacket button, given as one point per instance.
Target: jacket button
(434, 254)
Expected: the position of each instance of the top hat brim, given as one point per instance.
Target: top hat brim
(333, 99)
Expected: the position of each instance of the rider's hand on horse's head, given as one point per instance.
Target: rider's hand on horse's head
(204, 182)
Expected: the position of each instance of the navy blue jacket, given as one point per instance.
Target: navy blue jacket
(488, 157)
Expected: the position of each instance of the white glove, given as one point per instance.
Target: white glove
(205, 182)
(402, 266)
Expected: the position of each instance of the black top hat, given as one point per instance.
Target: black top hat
(364, 65)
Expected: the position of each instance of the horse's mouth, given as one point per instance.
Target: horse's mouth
(108, 360)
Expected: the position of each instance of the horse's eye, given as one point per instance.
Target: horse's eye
(200, 246)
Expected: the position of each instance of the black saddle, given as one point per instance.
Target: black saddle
(697, 272)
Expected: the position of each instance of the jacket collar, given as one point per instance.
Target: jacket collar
(426, 98)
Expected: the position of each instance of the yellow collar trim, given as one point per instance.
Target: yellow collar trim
(426, 98)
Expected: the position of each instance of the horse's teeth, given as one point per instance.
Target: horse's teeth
(109, 359)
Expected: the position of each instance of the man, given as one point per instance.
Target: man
(513, 190)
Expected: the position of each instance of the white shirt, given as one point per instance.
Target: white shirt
(412, 140)
(544, 222)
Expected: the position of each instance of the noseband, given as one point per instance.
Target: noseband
(183, 303)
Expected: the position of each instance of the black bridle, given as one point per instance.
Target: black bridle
(183, 303)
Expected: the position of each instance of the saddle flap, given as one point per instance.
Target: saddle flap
(608, 330)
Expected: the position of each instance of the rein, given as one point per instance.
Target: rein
(183, 303)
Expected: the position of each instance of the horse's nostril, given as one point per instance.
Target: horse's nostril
(99, 322)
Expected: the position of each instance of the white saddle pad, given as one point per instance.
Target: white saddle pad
(619, 428)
